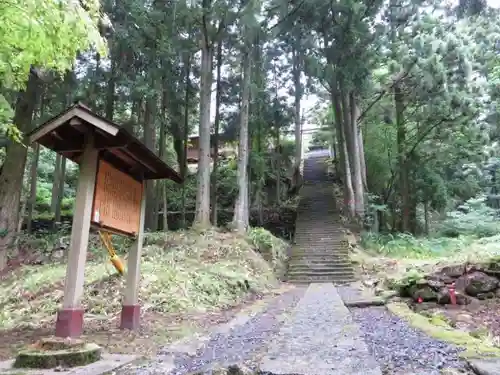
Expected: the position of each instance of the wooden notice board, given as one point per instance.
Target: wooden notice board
(117, 200)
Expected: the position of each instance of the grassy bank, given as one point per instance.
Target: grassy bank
(184, 274)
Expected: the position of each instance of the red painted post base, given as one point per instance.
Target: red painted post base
(69, 322)
(131, 316)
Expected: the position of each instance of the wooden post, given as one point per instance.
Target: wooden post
(70, 317)
(131, 310)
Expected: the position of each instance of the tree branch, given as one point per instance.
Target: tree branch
(288, 15)
(382, 93)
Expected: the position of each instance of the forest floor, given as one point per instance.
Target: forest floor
(190, 282)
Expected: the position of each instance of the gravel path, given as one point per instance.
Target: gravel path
(241, 344)
(400, 348)
(320, 339)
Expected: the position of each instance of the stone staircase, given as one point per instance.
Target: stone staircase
(318, 254)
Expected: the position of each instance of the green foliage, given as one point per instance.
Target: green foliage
(408, 279)
(226, 189)
(403, 245)
(42, 34)
(273, 249)
(453, 234)
(471, 218)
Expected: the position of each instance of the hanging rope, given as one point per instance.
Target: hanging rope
(115, 259)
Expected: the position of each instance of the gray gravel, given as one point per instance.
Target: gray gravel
(400, 348)
(242, 344)
(320, 339)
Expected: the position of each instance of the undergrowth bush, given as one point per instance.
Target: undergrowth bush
(470, 222)
(472, 218)
(273, 249)
(407, 246)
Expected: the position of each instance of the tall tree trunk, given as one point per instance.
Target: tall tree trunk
(12, 173)
(183, 166)
(161, 185)
(277, 155)
(359, 193)
(149, 141)
(241, 207)
(110, 94)
(348, 135)
(404, 188)
(361, 146)
(94, 88)
(202, 216)
(60, 191)
(55, 184)
(426, 217)
(33, 181)
(134, 116)
(69, 80)
(343, 157)
(216, 134)
(298, 97)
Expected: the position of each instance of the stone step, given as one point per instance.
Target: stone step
(319, 225)
(306, 246)
(313, 231)
(313, 228)
(320, 276)
(320, 252)
(345, 270)
(320, 240)
(326, 259)
(317, 242)
(305, 262)
(305, 243)
(312, 280)
(325, 233)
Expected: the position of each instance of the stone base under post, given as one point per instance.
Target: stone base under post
(130, 317)
(69, 322)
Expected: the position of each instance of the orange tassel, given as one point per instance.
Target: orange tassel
(118, 264)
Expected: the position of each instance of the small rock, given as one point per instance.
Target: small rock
(424, 292)
(485, 367)
(453, 271)
(483, 296)
(466, 318)
(235, 369)
(435, 284)
(462, 299)
(370, 283)
(450, 371)
(443, 296)
(476, 283)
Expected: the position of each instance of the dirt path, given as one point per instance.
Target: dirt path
(242, 340)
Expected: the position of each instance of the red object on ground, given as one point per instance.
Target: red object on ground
(420, 300)
(453, 296)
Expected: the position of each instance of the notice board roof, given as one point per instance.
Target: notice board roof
(65, 134)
